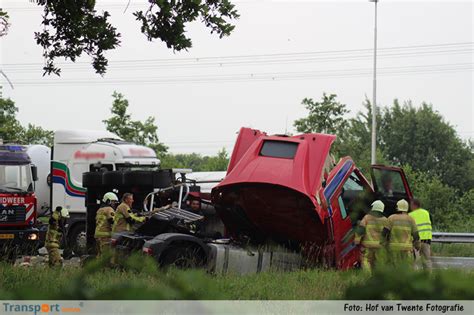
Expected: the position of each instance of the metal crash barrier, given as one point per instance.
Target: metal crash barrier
(445, 237)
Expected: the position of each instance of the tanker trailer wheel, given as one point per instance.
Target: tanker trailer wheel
(77, 240)
(183, 256)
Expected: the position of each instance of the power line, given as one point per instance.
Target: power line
(277, 76)
(332, 55)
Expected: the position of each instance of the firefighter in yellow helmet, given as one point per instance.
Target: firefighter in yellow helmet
(369, 235)
(104, 222)
(401, 234)
(57, 222)
(124, 217)
(423, 221)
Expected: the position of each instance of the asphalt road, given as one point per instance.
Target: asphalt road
(453, 262)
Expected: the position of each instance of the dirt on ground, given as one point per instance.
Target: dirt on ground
(42, 260)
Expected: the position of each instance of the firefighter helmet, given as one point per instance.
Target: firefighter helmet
(110, 196)
(402, 205)
(378, 205)
(64, 213)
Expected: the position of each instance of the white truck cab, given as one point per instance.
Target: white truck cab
(74, 153)
(77, 152)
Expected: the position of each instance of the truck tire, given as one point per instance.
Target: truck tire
(77, 239)
(113, 178)
(138, 178)
(183, 256)
(92, 179)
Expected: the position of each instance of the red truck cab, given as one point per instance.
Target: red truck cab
(18, 234)
(289, 190)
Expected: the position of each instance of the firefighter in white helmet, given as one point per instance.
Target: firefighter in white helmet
(104, 221)
(369, 235)
(401, 234)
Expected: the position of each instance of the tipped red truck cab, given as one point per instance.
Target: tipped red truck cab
(289, 190)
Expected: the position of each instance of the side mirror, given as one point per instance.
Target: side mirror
(34, 172)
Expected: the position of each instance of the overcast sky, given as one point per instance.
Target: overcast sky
(279, 53)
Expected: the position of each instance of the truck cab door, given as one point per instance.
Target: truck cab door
(390, 185)
(347, 194)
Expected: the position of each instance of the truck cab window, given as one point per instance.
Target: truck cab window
(389, 184)
(354, 197)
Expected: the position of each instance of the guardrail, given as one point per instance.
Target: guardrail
(445, 237)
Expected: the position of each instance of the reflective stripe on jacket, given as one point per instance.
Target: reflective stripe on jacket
(103, 228)
(403, 232)
(120, 220)
(423, 223)
(369, 233)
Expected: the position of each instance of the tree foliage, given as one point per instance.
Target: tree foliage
(12, 131)
(421, 138)
(196, 162)
(135, 131)
(4, 23)
(326, 116)
(72, 28)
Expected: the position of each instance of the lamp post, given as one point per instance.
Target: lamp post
(373, 159)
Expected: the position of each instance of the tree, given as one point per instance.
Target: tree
(71, 28)
(37, 135)
(326, 116)
(4, 23)
(196, 162)
(12, 131)
(421, 138)
(121, 124)
(10, 128)
(355, 141)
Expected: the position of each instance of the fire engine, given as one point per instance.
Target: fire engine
(18, 231)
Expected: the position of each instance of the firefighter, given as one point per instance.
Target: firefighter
(369, 235)
(423, 222)
(104, 221)
(124, 217)
(401, 234)
(56, 228)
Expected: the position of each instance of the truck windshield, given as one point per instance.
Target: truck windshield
(16, 178)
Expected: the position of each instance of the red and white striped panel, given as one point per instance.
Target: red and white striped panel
(30, 213)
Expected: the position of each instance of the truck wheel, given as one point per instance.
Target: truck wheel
(138, 178)
(183, 257)
(113, 178)
(92, 179)
(77, 240)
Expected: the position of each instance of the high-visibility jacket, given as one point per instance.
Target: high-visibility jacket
(369, 231)
(403, 232)
(423, 223)
(104, 220)
(124, 218)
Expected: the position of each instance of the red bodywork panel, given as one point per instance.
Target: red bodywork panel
(266, 196)
(17, 210)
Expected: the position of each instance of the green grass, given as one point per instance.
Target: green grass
(72, 283)
(453, 250)
(140, 279)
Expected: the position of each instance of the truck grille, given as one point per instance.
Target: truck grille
(12, 214)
